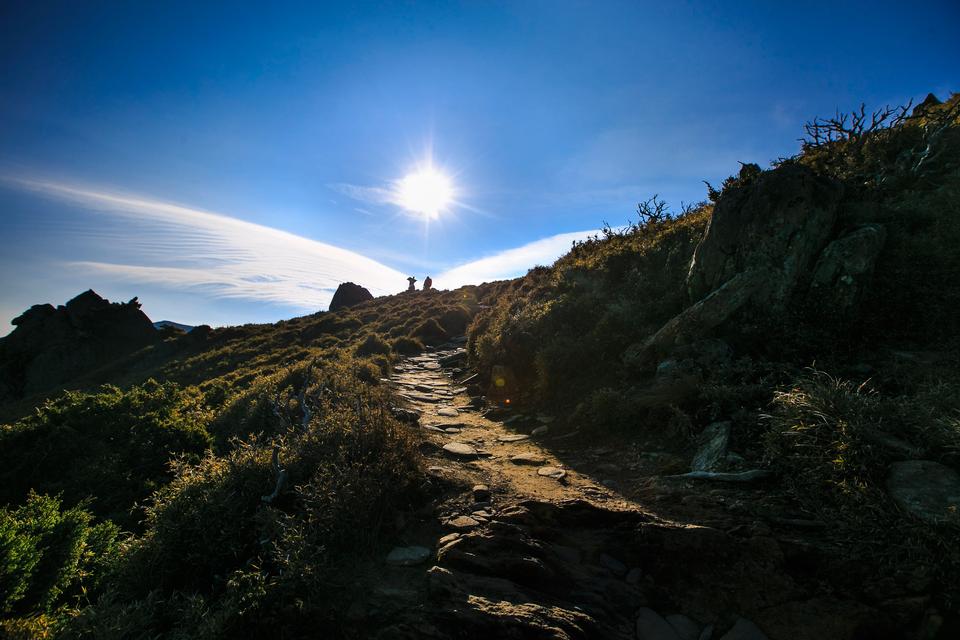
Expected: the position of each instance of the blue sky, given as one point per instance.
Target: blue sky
(231, 163)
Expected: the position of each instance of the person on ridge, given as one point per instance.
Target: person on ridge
(411, 280)
(427, 284)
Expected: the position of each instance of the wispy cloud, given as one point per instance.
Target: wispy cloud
(180, 247)
(361, 193)
(511, 262)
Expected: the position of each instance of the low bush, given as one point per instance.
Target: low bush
(50, 557)
(245, 559)
(111, 446)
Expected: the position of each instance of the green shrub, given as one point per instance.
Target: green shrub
(243, 560)
(112, 446)
(406, 346)
(430, 332)
(454, 321)
(50, 556)
(371, 345)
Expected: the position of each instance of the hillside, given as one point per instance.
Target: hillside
(740, 420)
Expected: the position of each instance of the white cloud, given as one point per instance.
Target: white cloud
(511, 262)
(180, 247)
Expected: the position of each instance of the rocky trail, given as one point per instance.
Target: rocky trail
(543, 534)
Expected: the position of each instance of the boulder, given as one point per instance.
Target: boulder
(777, 225)
(845, 267)
(927, 489)
(349, 294)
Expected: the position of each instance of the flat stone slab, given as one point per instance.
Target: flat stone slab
(460, 450)
(462, 523)
(528, 458)
(927, 489)
(448, 412)
(408, 556)
(551, 472)
(514, 437)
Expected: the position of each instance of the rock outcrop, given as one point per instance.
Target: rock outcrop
(51, 346)
(776, 225)
(349, 294)
(772, 242)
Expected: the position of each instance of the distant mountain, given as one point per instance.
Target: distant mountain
(164, 324)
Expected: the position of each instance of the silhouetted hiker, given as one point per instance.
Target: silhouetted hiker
(411, 280)
(427, 284)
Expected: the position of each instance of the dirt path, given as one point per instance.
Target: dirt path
(527, 543)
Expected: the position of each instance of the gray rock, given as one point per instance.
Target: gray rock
(740, 476)
(527, 458)
(845, 267)
(776, 225)
(408, 556)
(686, 628)
(743, 629)
(651, 626)
(707, 633)
(540, 431)
(513, 437)
(462, 523)
(552, 472)
(927, 489)
(349, 294)
(615, 567)
(713, 443)
(448, 412)
(697, 319)
(450, 537)
(460, 450)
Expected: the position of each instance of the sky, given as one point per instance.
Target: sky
(231, 163)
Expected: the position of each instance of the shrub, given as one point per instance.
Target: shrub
(372, 344)
(50, 556)
(112, 446)
(406, 346)
(454, 321)
(430, 332)
(211, 534)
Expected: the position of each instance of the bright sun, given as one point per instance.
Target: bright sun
(426, 192)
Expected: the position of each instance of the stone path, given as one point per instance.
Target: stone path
(535, 548)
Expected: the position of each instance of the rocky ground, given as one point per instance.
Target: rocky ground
(543, 534)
